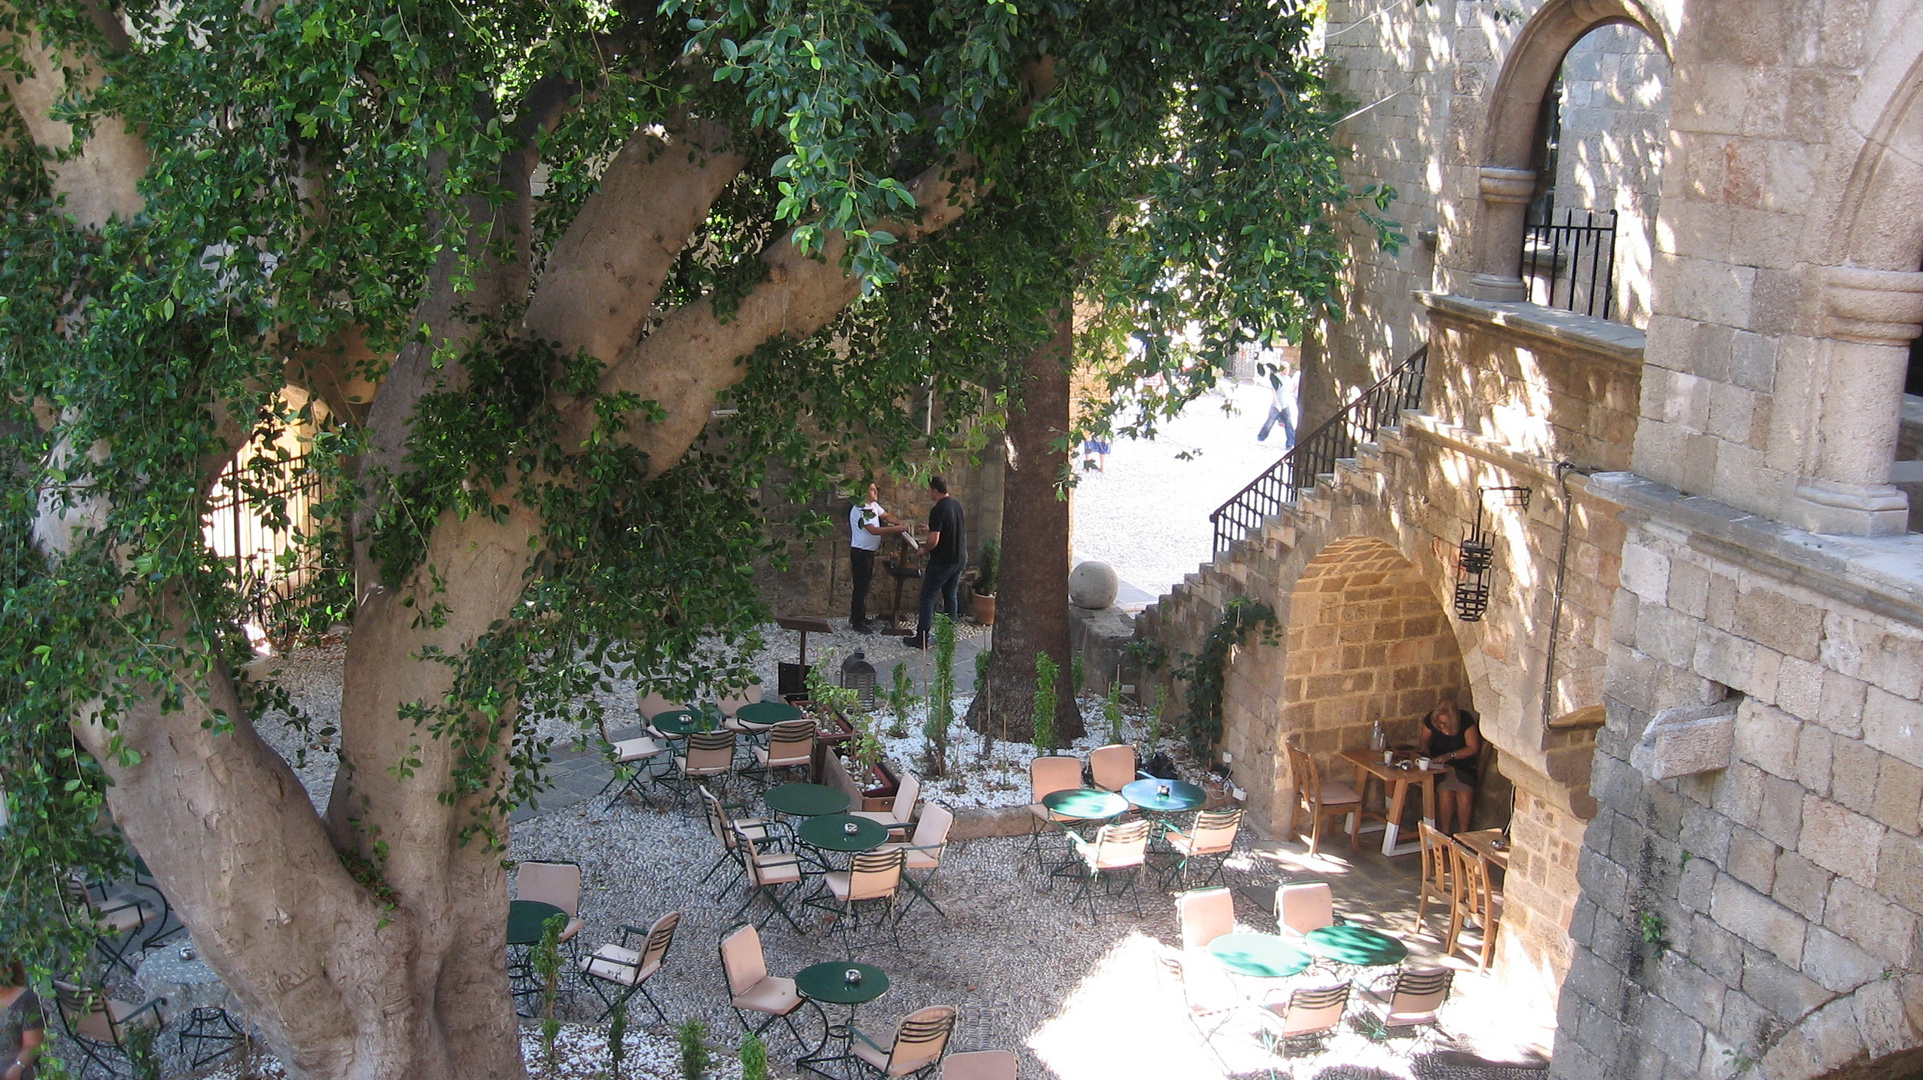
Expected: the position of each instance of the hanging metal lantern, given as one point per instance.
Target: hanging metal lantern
(858, 675)
(1476, 556)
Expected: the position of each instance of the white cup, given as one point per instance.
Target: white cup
(1388, 756)
(1422, 763)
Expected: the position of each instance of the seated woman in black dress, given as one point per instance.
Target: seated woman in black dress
(1449, 736)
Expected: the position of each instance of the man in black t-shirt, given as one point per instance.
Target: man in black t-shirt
(947, 555)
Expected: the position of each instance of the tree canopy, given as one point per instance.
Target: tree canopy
(565, 287)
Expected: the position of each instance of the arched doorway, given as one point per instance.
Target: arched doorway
(1515, 168)
(1367, 640)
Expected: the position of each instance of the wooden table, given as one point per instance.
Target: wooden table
(1483, 842)
(1395, 784)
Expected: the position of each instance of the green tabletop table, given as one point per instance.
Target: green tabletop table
(830, 833)
(1355, 945)
(1148, 795)
(681, 722)
(1086, 804)
(767, 713)
(524, 920)
(805, 800)
(829, 983)
(1265, 956)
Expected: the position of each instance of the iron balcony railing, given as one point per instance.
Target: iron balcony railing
(1572, 264)
(1317, 452)
(253, 527)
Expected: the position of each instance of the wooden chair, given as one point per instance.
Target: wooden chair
(1322, 799)
(1476, 901)
(1438, 878)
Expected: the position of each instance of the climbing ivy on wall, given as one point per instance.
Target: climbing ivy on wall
(1207, 671)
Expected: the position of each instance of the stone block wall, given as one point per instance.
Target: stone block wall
(1767, 913)
(817, 580)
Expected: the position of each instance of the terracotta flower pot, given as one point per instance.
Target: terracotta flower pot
(984, 608)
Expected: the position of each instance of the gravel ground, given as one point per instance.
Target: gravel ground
(1148, 515)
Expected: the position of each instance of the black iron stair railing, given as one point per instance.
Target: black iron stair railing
(1317, 452)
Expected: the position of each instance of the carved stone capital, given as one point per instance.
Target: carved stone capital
(1873, 307)
(1507, 185)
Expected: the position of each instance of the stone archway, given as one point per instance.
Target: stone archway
(1507, 178)
(1366, 639)
(1869, 1033)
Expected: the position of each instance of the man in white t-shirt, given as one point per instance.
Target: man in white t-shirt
(867, 524)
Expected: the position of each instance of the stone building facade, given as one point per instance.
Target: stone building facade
(1710, 701)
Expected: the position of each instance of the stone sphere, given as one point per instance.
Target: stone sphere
(1093, 585)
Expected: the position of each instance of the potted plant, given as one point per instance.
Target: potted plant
(987, 569)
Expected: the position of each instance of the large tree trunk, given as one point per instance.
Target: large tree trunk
(1031, 614)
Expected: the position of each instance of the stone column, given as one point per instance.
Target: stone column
(1505, 195)
(1870, 318)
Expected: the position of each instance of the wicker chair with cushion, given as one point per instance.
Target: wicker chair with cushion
(915, 1049)
(557, 883)
(981, 1065)
(791, 745)
(865, 893)
(727, 830)
(752, 990)
(1205, 914)
(1112, 767)
(618, 972)
(709, 755)
(1046, 776)
(1302, 908)
(896, 811)
(1409, 997)
(99, 1026)
(1310, 1012)
(772, 876)
(1212, 840)
(1113, 861)
(924, 851)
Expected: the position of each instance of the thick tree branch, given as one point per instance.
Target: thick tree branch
(99, 178)
(694, 355)
(603, 277)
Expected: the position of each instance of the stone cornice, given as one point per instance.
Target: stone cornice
(1883, 575)
(1615, 341)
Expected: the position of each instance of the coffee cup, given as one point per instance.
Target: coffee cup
(1388, 756)
(1422, 763)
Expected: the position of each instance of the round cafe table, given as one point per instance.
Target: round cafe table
(1146, 795)
(1265, 956)
(677, 722)
(805, 800)
(1357, 946)
(830, 833)
(1086, 804)
(767, 713)
(828, 983)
